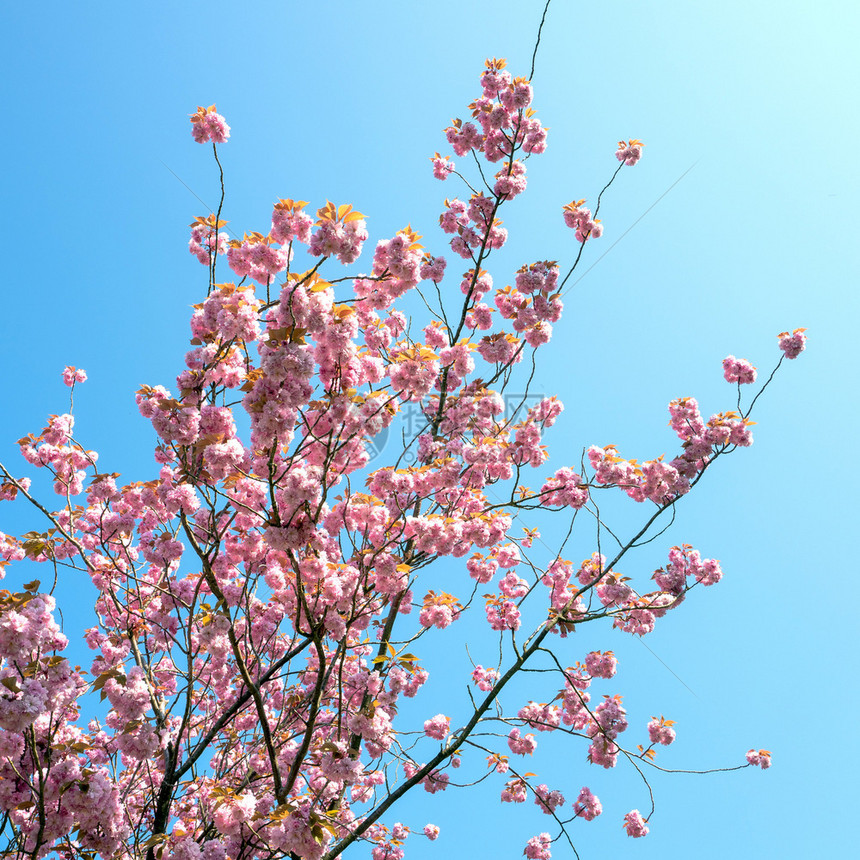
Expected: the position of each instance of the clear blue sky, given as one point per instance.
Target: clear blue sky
(346, 101)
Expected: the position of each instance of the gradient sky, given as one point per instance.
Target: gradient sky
(742, 223)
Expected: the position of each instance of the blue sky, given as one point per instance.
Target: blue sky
(752, 103)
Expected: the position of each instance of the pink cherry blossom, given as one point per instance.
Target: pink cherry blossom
(635, 824)
(587, 805)
(485, 678)
(759, 758)
(579, 219)
(548, 801)
(537, 848)
(661, 731)
(71, 375)
(437, 727)
(792, 344)
(629, 152)
(521, 745)
(738, 370)
(601, 664)
(207, 125)
(515, 791)
(442, 166)
(335, 484)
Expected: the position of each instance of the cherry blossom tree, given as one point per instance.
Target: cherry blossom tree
(263, 602)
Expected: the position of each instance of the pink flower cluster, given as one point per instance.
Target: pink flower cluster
(654, 480)
(738, 370)
(71, 375)
(229, 313)
(510, 181)
(436, 781)
(443, 167)
(578, 217)
(537, 848)
(256, 257)
(629, 151)
(759, 758)
(437, 727)
(9, 492)
(601, 664)
(290, 222)
(685, 563)
(635, 824)
(591, 569)
(515, 791)
(38, 708)
(792, 344)
(660, 731)
(339, 232)
(587, 805)
(252, 597)
(543, 717)
(663, 482)
(507, 126)
(607, 722)
(636, 613)
(501, 111)
(28, 631)
(521, 745)
(485, 678)
(478, 230)
(533, 315)
(399, 261)
(207, 125)
(55, 449)
(565, 489)
(432, 268)
(439, 610)
(548, 801)
(503, 614)
(537, 278)
(203, 243)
